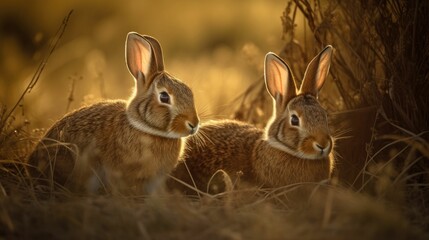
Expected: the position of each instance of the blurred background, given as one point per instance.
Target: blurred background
(216, 46)
(375, 94)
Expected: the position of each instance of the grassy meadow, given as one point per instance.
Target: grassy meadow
(52, 62)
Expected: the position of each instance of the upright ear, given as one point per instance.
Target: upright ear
(156, 47)
(139, 56)
(316, 72)
(279, 79)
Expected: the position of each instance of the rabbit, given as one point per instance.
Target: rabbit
(295, 147)
(137, 141)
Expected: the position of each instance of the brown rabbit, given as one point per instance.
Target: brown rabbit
(296, 145)
(137, 141)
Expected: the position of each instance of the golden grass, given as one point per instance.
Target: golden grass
(327, 212)
(380, 189)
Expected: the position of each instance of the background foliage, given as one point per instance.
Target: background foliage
(375, 95)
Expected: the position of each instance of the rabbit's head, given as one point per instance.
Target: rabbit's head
(299, 125)
(161, 104)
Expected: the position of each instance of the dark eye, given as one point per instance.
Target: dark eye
(294, 120)
(164, 97)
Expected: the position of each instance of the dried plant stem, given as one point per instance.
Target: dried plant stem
(42, 65)
(70, 99)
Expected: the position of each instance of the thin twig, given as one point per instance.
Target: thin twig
(42, 65)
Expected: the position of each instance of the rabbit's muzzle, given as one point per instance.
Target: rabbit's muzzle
(317, 146)
(185, 124)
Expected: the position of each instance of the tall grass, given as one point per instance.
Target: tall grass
(373, 75)
(376, 95)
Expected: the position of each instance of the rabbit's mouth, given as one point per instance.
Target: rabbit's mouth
(193, 128)
(316, 147)
(322, 150)
(189, 130)
(184, 125)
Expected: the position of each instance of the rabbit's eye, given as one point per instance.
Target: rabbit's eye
(294, 120)
(164, 97)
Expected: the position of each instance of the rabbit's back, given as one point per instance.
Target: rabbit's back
(220, 145)
(87, 123)
(100, 138)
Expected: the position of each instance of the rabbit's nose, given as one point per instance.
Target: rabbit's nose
(193, 127)
(322, 148)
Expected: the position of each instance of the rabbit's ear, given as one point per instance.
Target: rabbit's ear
(316, 72)
(156, 47)
(279, 79)
(139, 56)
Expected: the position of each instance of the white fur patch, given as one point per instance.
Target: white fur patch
(147, 129)
(276, 144)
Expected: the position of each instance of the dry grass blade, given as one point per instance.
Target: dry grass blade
(414, 141)
(191, 187)
(379, 68)
(42, 65)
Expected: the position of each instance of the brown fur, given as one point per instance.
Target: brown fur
(275, 168)
(228, 147)
(283, 154)
(121, 144)
(102, 130)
